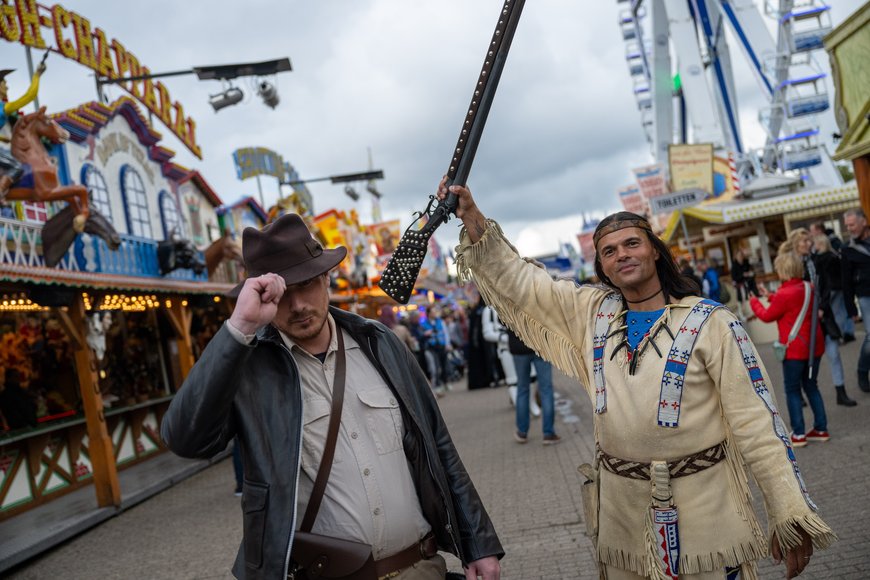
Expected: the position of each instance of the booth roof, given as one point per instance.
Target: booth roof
(43, 275)
(745, 210)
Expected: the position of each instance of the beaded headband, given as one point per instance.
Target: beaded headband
(617, 225)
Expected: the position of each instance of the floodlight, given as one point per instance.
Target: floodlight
(231, 96)
(269, 94)
(373, 190)
(351, 192)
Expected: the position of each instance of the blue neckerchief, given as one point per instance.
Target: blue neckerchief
(638, 325)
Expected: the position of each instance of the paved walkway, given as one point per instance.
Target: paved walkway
(192, 530)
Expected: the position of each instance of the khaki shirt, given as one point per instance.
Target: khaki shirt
(370, 496)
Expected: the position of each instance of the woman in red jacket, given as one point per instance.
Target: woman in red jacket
(785, 308)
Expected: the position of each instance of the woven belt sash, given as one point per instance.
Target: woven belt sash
(678, 468)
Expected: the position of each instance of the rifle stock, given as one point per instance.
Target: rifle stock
(400, 275)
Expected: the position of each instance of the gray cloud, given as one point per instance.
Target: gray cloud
(396, 76)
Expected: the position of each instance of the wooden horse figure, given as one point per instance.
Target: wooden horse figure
(221, 250)
(39, 182)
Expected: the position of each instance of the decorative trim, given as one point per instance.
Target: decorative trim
(750, 361)
(606, 314)
(674, 376)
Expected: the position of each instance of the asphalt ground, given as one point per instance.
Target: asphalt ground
(192, 530)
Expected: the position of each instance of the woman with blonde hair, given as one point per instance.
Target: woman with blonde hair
(790, 308)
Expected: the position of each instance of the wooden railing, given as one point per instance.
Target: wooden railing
(21, 244)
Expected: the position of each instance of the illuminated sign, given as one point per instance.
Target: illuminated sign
(254, 161)
(23, 21)
(691, 166)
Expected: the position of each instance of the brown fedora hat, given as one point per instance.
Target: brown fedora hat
(286, 247)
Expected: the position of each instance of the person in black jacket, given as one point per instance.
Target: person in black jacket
(828, 275)
(856, 283)
(397, 482)
(846, 324)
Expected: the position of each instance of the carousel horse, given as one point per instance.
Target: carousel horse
(39, 181)
(221, 250)
(58, 236)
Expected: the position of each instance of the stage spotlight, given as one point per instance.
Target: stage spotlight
(351, 192)
(231, 96)
(269, 94)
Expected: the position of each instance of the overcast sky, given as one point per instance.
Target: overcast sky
(396, 76)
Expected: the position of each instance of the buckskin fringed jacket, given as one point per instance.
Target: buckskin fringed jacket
(699, 385)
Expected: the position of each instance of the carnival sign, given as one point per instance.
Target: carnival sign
(691, 167)
(676, 201)
(651, 180)
(73, 38)
(632, 200)
(254, 161)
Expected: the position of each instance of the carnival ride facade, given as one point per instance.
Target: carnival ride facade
(93, 347)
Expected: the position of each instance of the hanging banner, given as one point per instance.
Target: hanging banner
(23, 21)
(632, 200)
(651, 180)
(691, 167)
(587, 246)
(386, 236)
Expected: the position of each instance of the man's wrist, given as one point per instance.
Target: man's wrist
(240, 334)
(475, 224)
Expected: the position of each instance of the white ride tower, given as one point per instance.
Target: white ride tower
(680, 64)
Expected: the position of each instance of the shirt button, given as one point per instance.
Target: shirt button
(392, 401)
(354, 435)
(377, 511)
(366, 471)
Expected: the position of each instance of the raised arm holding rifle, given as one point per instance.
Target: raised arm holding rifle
(674, 379)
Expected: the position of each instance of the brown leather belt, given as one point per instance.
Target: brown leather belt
(678, 468)
(391, 565)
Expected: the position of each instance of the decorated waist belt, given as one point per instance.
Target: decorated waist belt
(688, 465)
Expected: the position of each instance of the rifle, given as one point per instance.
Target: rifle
(401, 272)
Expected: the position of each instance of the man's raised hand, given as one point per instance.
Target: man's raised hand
(258, 302)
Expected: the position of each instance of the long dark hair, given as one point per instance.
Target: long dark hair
(674, 283)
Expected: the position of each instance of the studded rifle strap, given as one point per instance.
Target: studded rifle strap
(400, 275)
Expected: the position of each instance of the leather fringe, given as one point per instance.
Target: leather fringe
(558, 349)
(744, 555)
(788, 536)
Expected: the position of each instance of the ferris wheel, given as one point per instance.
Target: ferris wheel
(683, 81)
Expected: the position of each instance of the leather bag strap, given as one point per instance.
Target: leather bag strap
(331, 437)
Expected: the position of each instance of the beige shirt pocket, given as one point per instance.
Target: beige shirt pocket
(315, 424)
(383, 419)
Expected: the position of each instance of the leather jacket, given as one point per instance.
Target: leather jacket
(254, 391)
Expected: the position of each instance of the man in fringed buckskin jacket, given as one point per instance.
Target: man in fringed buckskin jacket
(680, 396)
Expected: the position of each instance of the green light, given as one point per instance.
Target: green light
(678, 84)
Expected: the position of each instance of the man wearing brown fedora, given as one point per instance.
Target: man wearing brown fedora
(386, 475)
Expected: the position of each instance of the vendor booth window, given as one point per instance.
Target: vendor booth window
(38, 380)
(98, 191)
(135, 203)
(170, 216)
(133, 369)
